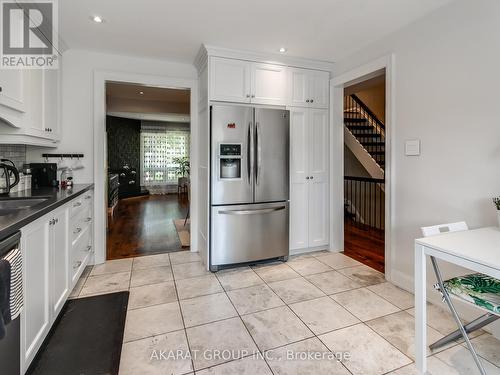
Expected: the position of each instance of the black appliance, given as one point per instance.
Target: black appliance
(6, 171)
(130, 185)
(10, 345)
(43, 174)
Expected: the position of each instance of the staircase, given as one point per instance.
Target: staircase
(368, 130)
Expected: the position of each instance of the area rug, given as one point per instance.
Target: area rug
(86, 338)
(183, 231)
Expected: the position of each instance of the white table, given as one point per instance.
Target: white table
(477, 250)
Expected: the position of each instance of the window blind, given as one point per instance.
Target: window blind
(160, 144)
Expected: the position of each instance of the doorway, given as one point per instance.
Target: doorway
(364, 171)
(148, 141)
(375, 68)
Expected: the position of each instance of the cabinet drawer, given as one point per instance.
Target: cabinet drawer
(79, 253)
(79, 204)
(80, 222)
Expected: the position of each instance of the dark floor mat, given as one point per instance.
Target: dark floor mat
(86, 339)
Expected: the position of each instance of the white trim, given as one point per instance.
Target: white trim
(308, 250)
(337, 153)
(100, 79)
(268, 58)
(166, 117)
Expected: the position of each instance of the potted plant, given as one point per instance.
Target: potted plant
(182, 170)
(496, 201)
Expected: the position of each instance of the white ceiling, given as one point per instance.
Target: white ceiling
(174, 29)
(124, 97)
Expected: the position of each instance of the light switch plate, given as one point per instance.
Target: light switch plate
(412, 147)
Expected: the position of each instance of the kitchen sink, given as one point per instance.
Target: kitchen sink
(12, 205)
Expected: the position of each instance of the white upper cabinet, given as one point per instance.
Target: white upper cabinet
(299, 87)
(229, 80)
(12, 89)
(35, 120)
(308, 88)
(268, 84)
(242, 81)
(320, 91)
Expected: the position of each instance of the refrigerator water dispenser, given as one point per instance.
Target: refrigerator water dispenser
(230, 161)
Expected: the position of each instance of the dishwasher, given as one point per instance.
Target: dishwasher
(10, 345)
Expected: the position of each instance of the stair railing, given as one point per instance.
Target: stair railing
(366, 127)
(364, 200)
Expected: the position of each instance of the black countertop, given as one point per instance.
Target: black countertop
(9, 224)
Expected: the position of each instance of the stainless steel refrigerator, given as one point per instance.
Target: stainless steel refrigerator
(249, 184)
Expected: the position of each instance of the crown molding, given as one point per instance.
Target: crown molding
(270, 58)
(201, 59)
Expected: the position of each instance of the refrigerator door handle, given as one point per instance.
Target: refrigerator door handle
(250, 153)
(251, 212)
(258, 152)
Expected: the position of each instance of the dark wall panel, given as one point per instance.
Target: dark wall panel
(124, 137)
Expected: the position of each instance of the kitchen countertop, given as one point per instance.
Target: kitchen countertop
(9, 224)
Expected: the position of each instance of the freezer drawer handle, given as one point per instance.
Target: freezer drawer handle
(252, 212)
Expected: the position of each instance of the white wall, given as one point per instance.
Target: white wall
(446, 94)
(77, 98)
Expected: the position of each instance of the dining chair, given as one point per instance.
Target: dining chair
(477, 289)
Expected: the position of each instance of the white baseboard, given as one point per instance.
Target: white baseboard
(308, 250)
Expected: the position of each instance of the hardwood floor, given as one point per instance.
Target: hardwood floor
(364, 244)
(144, 226)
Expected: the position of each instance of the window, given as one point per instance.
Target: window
(160, 144)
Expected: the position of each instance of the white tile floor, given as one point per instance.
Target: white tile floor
(265, 319)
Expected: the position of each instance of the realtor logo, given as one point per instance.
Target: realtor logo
(29, 38)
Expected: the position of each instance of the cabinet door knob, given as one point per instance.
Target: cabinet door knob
(77, 230)
(0, 88)
(77, 264)
(89, 248)
(248, 95)
(88, 196)
(307, 178)
(88, 219)
(312, 100)
(77, 204)
(253, 96)
(307, 100)
(312, 177)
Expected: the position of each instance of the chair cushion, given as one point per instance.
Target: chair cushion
(477, 288)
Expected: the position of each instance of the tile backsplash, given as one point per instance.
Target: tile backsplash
(16, 153)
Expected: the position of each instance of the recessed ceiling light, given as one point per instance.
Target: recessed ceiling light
(97, 19)
(141, 92)
(282, 50)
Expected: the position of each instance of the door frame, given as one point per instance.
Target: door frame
(337, 85)
(100, 209)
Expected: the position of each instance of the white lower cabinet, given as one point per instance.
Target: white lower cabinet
(59, 260)
(309, 215)
(35, 317)
(49, 248)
